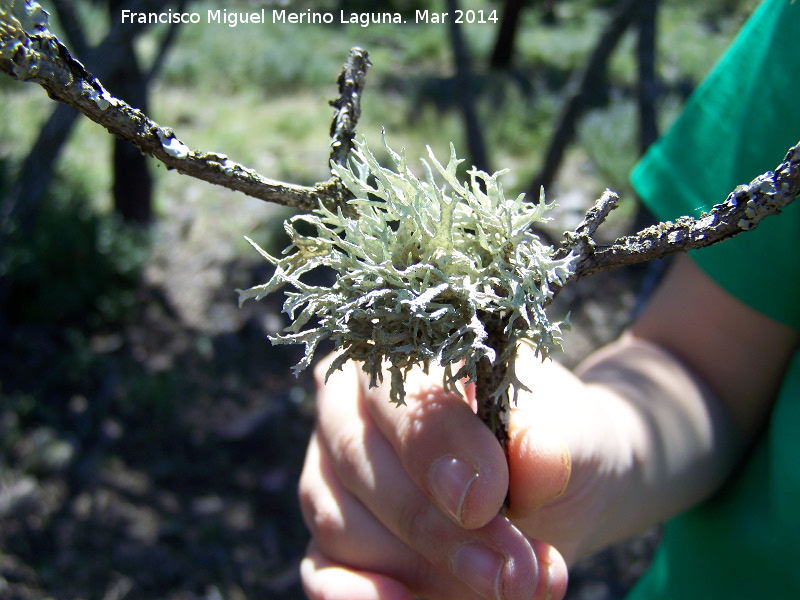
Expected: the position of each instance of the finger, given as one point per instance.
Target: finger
(539, 464)
(340, 524)
(324, 579)
(445, 448)
(553, 568)
(496, 560)
(345, 532)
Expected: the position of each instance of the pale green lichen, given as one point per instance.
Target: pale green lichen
(420, 271)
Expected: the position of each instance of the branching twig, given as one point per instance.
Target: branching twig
(40, 57)
(348, 105)
(767, 194)
(36, 55)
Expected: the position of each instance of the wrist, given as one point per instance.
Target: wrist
(677, 440)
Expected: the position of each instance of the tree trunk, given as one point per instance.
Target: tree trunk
(466, 93)
(132, 187)
(504, 44)
(648, 85)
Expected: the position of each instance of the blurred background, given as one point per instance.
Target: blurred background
(150, 436)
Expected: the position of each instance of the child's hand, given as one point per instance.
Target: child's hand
(404, 501)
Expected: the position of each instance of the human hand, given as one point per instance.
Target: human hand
(404, 501)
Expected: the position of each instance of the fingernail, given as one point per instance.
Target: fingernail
(480, 568)
(450, 480)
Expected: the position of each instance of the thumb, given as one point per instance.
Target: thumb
(539, 463)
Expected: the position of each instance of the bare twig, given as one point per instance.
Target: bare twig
(596, 215)
(744, 208)
(348, 104)
(41, 58)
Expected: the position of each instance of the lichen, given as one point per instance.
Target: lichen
(26, 16)
(19, 21)
(421, 267)
(101, 97)
(172, 145)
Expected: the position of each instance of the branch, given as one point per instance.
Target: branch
(744, 208)
(348, 105)
(32, 53)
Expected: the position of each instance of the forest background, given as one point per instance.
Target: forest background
(150, 436)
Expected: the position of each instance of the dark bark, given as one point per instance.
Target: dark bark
(351, 82)
(506, 35)
(493, 407)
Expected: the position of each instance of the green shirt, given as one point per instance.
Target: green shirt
(744, 542)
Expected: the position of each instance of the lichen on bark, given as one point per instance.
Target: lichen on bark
(430, 269)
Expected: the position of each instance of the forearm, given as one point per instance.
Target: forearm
(677, 441)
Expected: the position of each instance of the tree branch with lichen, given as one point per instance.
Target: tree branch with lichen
(436, 269)
(454, 277)
(741, 211)
(30, 52)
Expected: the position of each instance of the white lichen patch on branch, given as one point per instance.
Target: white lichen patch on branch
(172, 145)
(24, 16)
(102, 98)
(18, 22)
(421, 267)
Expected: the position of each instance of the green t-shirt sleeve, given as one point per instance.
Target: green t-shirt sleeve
(738, 124)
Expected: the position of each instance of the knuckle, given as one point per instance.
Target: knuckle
(347, 452)
(307, 498)
(322, 517)
(413, 521)
(327, 527)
